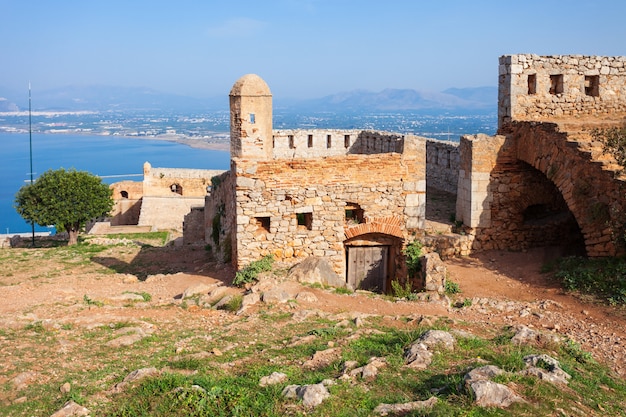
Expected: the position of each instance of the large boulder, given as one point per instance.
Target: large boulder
(314, 270)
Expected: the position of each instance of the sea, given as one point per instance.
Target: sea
(113, 158)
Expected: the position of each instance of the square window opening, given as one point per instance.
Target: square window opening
(354, 214)
(305, 220)
(592, 85)
(346, 141)
(263, 224)
(556, 84)
(292, 144)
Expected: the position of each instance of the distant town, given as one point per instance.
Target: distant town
(211, 129)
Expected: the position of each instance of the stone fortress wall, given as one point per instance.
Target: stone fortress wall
(339, 193)
(544, 88)
(170, 193)
(319, 143)
(162, 199)
(442, 165)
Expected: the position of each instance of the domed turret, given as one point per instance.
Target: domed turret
(250, 118)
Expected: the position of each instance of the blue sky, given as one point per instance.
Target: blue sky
(302, 48)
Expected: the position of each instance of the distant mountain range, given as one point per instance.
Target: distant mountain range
(453, 99)
(103, 98)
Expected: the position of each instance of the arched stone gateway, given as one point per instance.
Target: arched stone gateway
(533, 186)
(592, 193)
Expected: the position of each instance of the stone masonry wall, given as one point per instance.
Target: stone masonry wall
(442, 165)
(533, 87)
(333, 142)
(219, 217)
(127, 196)
(170, 193)
(296, 208)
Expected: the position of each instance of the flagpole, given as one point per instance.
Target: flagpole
(30, 142)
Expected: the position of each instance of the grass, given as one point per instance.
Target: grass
(602, 278)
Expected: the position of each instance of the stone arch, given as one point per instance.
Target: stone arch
(593, 194)
(384, 225)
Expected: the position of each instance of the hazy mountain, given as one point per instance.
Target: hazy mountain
(454, 99)
(102, 98)
(6, 105)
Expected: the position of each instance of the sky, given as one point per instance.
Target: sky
(302, 48)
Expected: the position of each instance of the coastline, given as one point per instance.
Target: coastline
(221, 140)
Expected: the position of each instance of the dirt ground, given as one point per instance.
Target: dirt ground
(497, 289)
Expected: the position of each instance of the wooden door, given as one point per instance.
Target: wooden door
(367, 267)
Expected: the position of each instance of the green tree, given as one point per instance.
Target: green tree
(66, 199)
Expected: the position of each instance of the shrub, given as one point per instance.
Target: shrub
(250, 273)
(413, 253)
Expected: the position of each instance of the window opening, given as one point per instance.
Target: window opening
(273, 141)
(305, 220)
(252, 118)
(310, 141)
(354, 214)
(176, 188)
(124, 194)
(532, 84)
(556, 84)
(592, 85)
(263, 224)
(346, 141)
(292, 145)
(329, 141)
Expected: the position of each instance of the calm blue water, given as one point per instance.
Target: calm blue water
(100, 155)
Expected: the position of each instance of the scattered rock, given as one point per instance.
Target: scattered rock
(135, 376)
(546, 368)
(71, 409)
(483, 373)
(128, 336)
(223, 302)
(527, 336)
(275, 296)
(306, 296)
(273, 379)
(199, 288)
(314, 270)
(434, 338)
(491, 394)
(405, 408)
(322, 358)
(417, 356)
(65, 388)
(23, 379)
(311, 395)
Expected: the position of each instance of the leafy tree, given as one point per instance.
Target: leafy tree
(66, 199)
